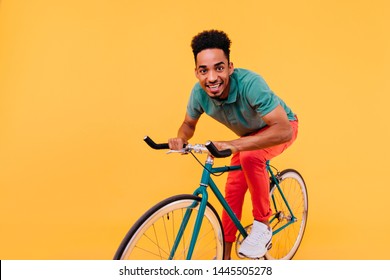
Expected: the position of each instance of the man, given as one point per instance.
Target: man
(266, 126)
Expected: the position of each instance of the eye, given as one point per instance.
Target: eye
(202, 71)
(220, 68)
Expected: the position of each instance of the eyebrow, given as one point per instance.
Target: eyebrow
(215, 65)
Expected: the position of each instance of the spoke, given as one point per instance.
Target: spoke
(166, 231)
(155, 243)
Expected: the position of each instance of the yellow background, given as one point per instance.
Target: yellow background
(81, 83)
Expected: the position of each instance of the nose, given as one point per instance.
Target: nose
(212, 76)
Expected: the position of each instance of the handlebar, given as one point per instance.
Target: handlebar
(209, 147)
(217, 153)
(155, 146)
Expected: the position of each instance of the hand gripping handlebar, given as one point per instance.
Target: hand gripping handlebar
(209, 145)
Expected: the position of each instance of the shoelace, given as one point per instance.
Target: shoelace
(255, 237)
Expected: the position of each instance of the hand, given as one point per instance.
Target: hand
(176, 143)
(224, 145)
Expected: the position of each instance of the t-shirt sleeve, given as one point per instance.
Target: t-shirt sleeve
(260, 97)
(194, 108)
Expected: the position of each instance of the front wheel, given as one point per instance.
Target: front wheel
(153, 236)
(289, 205)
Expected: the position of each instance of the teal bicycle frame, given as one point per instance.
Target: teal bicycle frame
(201, 191)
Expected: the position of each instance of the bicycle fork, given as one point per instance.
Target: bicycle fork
(292, 219)
(201, 191)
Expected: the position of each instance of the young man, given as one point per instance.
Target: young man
(266, 126)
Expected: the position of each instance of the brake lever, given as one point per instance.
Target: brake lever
(182, 151)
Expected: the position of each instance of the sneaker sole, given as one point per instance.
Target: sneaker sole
(268, 246)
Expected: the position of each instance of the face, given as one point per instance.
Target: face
(213, 72)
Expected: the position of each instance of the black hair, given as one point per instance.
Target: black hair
(211, 39)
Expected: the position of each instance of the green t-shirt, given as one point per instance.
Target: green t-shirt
(248, 101)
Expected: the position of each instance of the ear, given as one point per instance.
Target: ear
(231, 68)
(196, 73)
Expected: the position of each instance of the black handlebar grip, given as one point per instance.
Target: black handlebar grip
(154, 145)
(217, 153)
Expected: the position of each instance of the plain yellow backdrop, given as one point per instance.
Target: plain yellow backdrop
(81, 83)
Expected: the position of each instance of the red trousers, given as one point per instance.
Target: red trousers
(254, 177)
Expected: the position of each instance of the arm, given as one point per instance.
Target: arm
(279, 131)
(186, 131)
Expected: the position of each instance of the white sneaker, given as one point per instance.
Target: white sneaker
(256, 244)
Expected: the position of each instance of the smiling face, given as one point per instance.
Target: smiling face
(213, 71)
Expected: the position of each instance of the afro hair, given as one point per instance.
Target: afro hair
(211, 39)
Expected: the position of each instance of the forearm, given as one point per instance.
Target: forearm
(271, 137)
(186, 131)
(279, 131)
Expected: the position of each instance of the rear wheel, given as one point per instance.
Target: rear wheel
(288, 221)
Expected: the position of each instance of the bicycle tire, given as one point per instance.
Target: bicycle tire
(286, 242)
(152, 236)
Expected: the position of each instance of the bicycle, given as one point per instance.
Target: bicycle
(187, 226)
